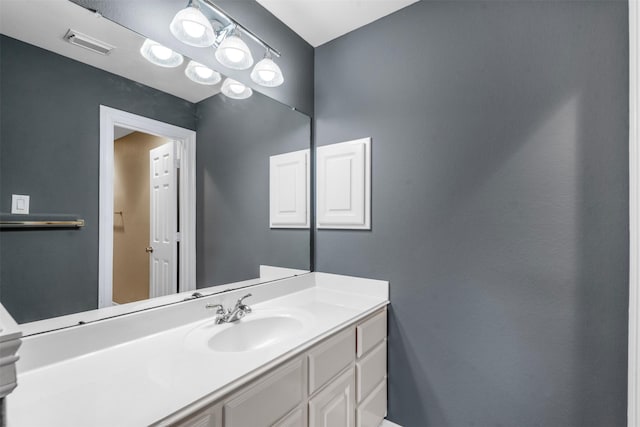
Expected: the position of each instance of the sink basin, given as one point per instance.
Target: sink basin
(253, 334)
(256, 331)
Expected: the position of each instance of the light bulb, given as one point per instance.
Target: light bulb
(161, 52)
(203, 72)
(234, 53)
(237, 88)
(193, 29)
(234, 89)
(267, 75)
(160, 55)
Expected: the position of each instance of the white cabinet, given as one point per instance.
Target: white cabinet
(371, 332)
(339, 382)
(373, 409)
(326, 360)
(269, 399)
(208, 417)
(334, 406)
(297, 418)
(370, 370)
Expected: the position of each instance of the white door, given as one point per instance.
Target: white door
(163, 248)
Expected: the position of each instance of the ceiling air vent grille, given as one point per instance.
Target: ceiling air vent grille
(83, 40)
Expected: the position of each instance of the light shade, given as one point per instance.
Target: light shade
(160, 55)
(234, 89)
(267, 73)
(191, 27)
(234, 53)
(202, 74)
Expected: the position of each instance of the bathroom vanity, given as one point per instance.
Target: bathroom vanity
(311, 352)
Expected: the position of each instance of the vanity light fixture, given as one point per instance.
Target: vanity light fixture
(191, 27)
(160, 55)
(266, 72)
(234, 89)
(202, 74)
(234, 53)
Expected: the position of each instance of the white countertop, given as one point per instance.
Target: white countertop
(143, 380)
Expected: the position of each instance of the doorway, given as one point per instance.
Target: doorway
(145, 193)
(147, 232)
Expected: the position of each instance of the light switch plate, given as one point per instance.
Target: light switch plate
(19, 204)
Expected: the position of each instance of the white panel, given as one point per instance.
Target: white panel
(334, 406)
(329, 358)
(289, 190)
(268, 400)
(370, 370)
(344, 185)
(372, 411)
(295, 419)
(371, 332)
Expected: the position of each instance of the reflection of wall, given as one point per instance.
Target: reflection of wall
(131, 227)
(499, 208)
(50, 150)
(235, 140)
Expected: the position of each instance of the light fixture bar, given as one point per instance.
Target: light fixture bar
(222, 14)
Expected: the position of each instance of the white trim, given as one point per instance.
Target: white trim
(633, 403)
(110, 117)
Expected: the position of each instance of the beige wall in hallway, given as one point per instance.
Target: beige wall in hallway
(131, 228)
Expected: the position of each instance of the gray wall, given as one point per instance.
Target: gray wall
(235, 140)
(500, 180)
(151, 18)
(49, 149)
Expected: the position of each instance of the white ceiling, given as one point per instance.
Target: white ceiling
(320, 21)
(44, 23)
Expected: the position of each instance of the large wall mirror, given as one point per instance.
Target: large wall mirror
(141, 183)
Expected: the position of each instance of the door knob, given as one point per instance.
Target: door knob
(149, 250)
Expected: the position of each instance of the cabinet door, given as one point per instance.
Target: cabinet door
(263, 403)
(295, 419)
(335, 405)
(209, 417)
(329, 358)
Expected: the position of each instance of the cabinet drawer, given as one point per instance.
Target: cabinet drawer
(266, 401)
(370, 370)
(330, 357)
(334, 406)
(295, 419)
(371, 332)
(210, 417)
(372, 411)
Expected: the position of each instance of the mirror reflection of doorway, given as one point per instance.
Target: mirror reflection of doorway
(145, 216)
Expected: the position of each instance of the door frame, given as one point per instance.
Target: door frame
(186, 149)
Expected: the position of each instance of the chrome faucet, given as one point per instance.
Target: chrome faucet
(230, 315)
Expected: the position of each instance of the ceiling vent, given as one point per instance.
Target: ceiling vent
(82, 40)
